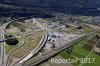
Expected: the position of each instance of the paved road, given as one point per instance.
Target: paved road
(40, 45)
(16, 37)
(45, 35)
(42, 58)
(2, 54)
(2, 45)
(37, 60)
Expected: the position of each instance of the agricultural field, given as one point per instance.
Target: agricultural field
(82, 50)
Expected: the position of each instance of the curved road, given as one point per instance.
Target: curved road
(2, 45)
(39, 47)
(38, 60)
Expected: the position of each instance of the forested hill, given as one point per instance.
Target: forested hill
(84, 7)
(54, 3)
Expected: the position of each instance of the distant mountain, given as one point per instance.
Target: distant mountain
(54, 3)
(84, 7)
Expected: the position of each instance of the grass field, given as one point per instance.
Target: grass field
(31, 42)
(79, 52)
(19, 25)
(9, 48)
(87, 29)
(72, 29)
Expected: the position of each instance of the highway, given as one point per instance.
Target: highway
(42, 58)
(39, 47)
(2, 45)
(33, 62)
(2, 54)
(3, 40)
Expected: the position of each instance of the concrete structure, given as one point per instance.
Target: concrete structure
(48, 46)
(28, 20)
